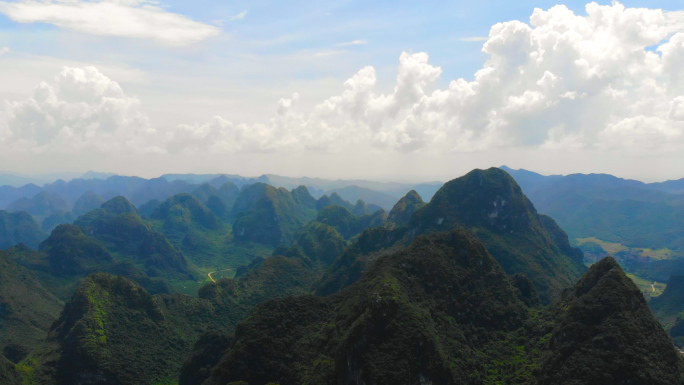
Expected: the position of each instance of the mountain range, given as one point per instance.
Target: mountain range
(222, 280)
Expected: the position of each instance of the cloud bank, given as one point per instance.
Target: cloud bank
(609, 80)
(142, 19)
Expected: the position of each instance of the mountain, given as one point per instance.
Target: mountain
(9, 194)
(203, 192)
(26, 309)
(322, 243)
(117, 225)
(67, 256)
(443, 311)
(399, 324)
(605, 333)
(97, 175)
(401, 212)
(667, 306)
(182, 212)
(18, 228)
(355, 193)
(528, 180)
(113, 330)
(57, 218)
(348, 224)
(612, 209)
(491, 205)
(270, 216)
(87, 202)
(43, 204)
(18, 180)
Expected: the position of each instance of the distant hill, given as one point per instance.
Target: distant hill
(117, 225)
(18, 228)
(612, 209)
(271, 216)
(355, 193)
(43, 204)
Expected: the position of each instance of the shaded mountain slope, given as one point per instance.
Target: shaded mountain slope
(605, 334)
(412, 317)
(8, 374)
(26, 309)
(18, 228)
(667, 306)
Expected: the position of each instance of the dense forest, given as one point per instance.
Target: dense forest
(230, 280)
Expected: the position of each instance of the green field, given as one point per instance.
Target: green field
(614, 248)
(649, 288)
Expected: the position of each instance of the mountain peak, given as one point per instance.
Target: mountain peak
(119, 205)
(606, 333)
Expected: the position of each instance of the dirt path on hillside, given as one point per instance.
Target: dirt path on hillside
(217, 271)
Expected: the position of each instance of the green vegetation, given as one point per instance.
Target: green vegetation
(443, 311)
(270, 216)
(402, 211)
(129, 238)
(615, 248)
(445, 292)
(16, 228)
(670, 303)
(650, 289)
(87, 202)
(491, 205)
(26, 309)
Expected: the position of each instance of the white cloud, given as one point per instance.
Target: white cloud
(239, 16)
(81, 110)
(563, 81)
(4, 50)
(474, 38)
(353, 42)
(142, 19)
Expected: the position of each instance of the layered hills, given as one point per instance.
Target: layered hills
(473, 287)
(443, 311)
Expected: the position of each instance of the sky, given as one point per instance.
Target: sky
(405, 91)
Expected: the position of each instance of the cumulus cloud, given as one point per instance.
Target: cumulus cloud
(561, 81)
(81, 110)
(127, 18)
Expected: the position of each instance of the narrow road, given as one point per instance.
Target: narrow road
(653, 286)
(217, 271)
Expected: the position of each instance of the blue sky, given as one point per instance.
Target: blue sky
(254, 54)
